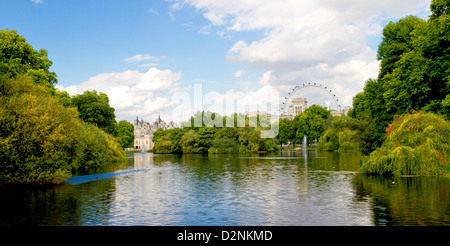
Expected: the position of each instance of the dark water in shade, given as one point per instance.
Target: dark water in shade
(286, 188)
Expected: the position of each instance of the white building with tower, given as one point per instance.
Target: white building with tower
(143, 132)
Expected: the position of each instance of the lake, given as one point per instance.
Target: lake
(287, 188)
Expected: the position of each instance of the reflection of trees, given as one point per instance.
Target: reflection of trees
(55, 205)
(408, 200)
(334, 161)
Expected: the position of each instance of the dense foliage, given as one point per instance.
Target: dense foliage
(210, 138)
(416, 144)
(125, 134)
(414, 77)
(43, 136)
(94, 108)
(41, 140)
(17, 57)
(345, 134)
(414, 74)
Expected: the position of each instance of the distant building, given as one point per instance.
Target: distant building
(299, 105)
(340, 112)
(143, 132)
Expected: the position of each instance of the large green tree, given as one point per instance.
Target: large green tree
(286, 132)
(125, 134)
(18, 57)
(397, 40)
(94, 108)
(311, 123)
(414, 74)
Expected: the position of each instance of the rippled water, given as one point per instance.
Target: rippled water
(284, 188)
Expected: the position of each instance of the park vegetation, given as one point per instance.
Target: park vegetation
(311, 123)
(400, 120)
(214, 136)
(46, 135)
(416, 144)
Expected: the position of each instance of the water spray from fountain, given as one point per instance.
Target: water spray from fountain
(305, 143)
(143, 148)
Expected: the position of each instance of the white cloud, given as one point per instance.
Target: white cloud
(323, 41)
(239, 73)
(133, 93)
(153, 12)
(144, 57)
(37, 1)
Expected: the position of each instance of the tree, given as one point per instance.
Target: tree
(286, 133)
(159, 133)
(414, 75)
(175, 136)
(94, 108)
(225, 141)
(439, 8)
(204, 139)
(188, 141)
(41, 141)
(18, 57)
(163, 146)
(125, 134)
(311, 123)
(345, 134)
(249, 139)
(416, 144)
(415, 62)
(397, 40)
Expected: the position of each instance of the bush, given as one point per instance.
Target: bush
(416, 144)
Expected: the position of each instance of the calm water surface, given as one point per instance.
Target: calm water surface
(284, 188)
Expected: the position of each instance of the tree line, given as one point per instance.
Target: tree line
(208, 132)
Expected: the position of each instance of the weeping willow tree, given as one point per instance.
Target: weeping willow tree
(415, 144)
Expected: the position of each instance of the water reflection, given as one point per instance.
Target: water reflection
(409, 200)
(285, 188)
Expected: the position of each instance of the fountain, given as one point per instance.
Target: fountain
(143, 148)
(305, 143)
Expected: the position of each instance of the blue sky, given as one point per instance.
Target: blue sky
(142, 52)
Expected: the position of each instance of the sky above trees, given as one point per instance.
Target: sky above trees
(142, 52)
